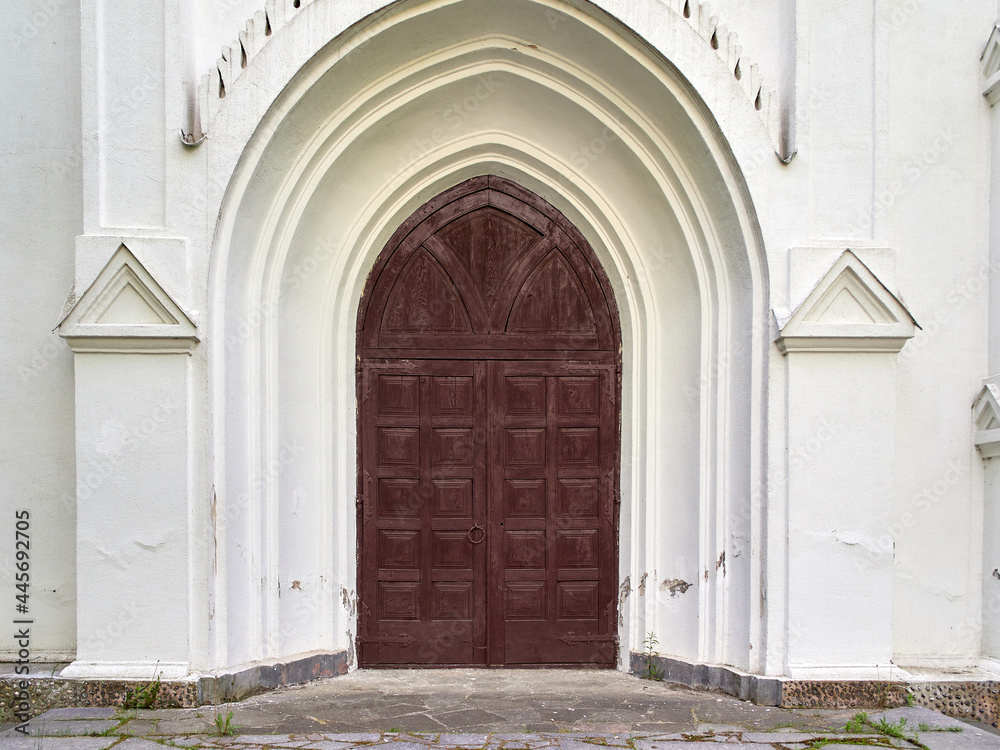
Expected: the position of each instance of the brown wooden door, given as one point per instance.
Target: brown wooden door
(552, 454)
(489, 353)
(424, 514)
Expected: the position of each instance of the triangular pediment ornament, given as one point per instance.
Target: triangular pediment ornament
(990, 62)
(986, 421)
(849, 309)
(126, 309)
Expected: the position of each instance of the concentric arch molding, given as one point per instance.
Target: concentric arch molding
(276, 14)
(126, 310)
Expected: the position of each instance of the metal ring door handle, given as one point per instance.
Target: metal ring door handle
(481, 539)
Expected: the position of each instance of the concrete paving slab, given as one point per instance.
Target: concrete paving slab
(914, 716)
(463, 740)
(166, 726)
(63, 714)
(523, 740)
(779, 736)
(137, 743)
(268, 740)
(70, 727)
(719, 728)
(358, 737)
(467, 717)
(419, 722)
(58, 743)
(973, 739)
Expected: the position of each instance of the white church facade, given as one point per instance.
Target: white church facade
(504, 332)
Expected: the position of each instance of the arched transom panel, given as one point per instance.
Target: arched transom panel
(488, 266)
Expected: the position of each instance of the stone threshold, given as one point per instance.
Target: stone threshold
(48, 690)
(977, 699)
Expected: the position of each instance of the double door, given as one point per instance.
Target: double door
(487, 513)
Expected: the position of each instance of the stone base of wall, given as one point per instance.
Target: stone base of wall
(764, 691)
(975, 699)
(47, 691)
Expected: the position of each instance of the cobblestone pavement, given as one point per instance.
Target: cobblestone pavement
(491, 710)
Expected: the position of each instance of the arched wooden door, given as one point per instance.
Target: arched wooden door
(488, 390)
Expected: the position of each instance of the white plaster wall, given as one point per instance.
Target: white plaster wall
(40, 214)
(932, 205)
(994, 209)
(132, 537)
(991, 560)
(840, 448)
(991, 468)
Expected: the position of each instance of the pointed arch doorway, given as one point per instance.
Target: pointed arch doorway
(489, 354)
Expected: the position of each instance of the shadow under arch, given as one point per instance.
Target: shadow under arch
(585, 116)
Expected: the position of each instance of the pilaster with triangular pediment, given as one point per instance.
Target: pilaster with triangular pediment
(840, 342)
(990, 67)
(132, 345)
(986, 421)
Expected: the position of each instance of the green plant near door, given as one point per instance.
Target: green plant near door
(653, 672)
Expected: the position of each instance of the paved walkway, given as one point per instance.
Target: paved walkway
(491, 710)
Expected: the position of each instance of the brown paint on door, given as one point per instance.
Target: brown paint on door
(488, 423)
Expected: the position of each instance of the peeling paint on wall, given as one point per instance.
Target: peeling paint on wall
(349, 601)
(642, 584)
(675, 586)
(623, 591)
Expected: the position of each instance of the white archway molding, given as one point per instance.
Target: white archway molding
(301, 225)
(711, 31)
